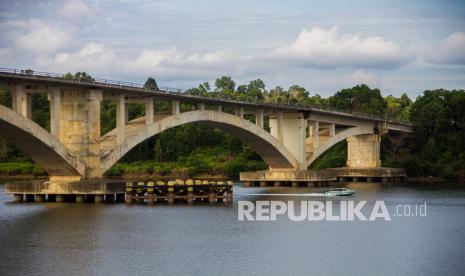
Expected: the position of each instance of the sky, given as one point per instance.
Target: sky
(324, 46)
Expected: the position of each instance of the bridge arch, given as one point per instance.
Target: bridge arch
(39, 145)
(352, 131)
(268, 147)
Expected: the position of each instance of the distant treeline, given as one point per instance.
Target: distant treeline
(436, 148)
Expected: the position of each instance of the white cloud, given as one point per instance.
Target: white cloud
(449, 51)
(76, 9)
(168, 64)
(361, 77)
(41, 38)
(326, 48)
(4, 54)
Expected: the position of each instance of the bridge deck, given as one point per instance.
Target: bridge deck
(11, 76)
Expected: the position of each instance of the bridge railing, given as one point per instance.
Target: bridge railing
(123, 84)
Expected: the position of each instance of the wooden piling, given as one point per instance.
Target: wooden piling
(150, 191)
(170, 192)
(129, 191)
(190, 191)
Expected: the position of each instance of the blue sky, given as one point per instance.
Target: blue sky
(397, 46)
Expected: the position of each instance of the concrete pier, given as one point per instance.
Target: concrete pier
(80, 198)
(324, 176)
(39, 198)
(18, 197)
(98, 198)
(59, 198)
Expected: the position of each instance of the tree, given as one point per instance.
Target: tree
(79, 76)
(151, 84)
(360, 98)
(225, 84)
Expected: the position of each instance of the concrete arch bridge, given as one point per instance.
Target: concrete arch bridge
(294, 136)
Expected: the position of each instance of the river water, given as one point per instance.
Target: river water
(117, 239)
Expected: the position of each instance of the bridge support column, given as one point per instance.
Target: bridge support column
(55, 111)
(120, 118)
(239, 111)
(219, 108)
(291, 127)
(22, 101)
(80, 127)
(315, 133)
(201, 106)
(149, 111)
(363, 151)
(175, 107)
(259, 118)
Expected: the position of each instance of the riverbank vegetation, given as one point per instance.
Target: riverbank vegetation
(436, 148)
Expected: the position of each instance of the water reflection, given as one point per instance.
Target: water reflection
(67, 238)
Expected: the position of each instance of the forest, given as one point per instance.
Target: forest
(436, 148)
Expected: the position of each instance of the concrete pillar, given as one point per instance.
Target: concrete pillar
(201, 106)
(315, 133)
(80, 198)
(332, 129)
(279, 126)
(149, 111)
(126, 113)
(39, 198)
(175, 107)
(59, 198)
(80, 126)
(55, 111)
(259, 118)
(120, 118)
(220, 108)
(276, 125)
(98, 198)
(290, 129)
(239, 111)
(18, 198)
(363, 151)
(22, 101)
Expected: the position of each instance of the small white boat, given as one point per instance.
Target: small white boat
(340, 192)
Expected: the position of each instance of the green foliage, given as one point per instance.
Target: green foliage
(335, 157)
(79, 76)
(360, 98)
(151, 84)
(16, 168)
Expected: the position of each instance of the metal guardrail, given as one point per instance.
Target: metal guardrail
(170, 90)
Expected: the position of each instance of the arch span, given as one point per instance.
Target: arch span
(39, 145)
(268, 147)
(353, 131)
